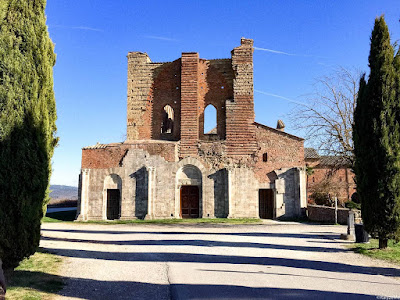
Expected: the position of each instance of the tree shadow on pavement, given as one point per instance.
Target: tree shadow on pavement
(197, 243)
(228, 259)
(90, 289)
(330, 235)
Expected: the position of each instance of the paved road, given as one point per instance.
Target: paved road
(269, 261)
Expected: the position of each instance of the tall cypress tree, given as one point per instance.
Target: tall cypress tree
(27, 125)
(377, 140)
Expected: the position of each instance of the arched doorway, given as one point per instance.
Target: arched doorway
(112, 197)
(189, 179)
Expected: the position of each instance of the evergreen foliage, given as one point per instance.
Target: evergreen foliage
(376, 136)
(27, 125)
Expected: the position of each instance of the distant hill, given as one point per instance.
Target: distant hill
(61, 192)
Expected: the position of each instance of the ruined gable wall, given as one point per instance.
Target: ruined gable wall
(111, 156)
(283, 151)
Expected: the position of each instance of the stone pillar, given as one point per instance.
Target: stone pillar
(230, 193)
(84, 196)
(150, 194)
(350, 223)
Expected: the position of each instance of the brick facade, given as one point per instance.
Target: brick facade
(333, 170)
(166, 147)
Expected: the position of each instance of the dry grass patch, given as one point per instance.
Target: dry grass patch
(36, 277)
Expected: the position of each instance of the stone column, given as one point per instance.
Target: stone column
(84, 196)
(230, 193)
(150, 201)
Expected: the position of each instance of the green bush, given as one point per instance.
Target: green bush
(353, 205)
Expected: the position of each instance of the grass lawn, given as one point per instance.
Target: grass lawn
(36, 277)
(176, 221)
(391, 253)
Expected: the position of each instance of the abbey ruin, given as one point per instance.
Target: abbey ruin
(168, 167)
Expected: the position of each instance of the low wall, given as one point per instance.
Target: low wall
(325, 214)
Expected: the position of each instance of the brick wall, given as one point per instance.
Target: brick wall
(139, 102)
(341, 179)
(240, 132)
(167, 91)
(283, 151)
(189, 104)
(215, 86)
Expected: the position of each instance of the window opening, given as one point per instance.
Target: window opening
(265, 156)
(210, 120)
(167, 125)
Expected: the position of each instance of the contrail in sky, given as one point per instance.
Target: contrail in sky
(162, 38)
(288, 54)
(76, 27)
(274, 51)
(281, 97)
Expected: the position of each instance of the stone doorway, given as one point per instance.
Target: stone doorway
(190, 204)
(266, 203)
(113, 204)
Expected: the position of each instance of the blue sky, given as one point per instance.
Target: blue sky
(92, 39)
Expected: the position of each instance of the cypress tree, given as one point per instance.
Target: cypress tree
(377, 140)
(27, 126)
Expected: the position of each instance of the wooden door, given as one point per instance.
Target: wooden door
(266, 203)
(113, 204)
(190, 201)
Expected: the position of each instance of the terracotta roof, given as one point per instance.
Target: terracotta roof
(333, 161)
(311, 153)
(212, 131)
(101, 146)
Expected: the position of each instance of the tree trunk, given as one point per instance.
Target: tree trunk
(383, 243)
(2, 282)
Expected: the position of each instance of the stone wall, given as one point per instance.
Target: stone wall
(325, 214)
